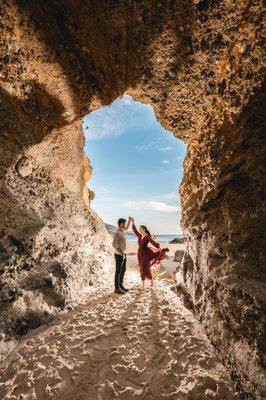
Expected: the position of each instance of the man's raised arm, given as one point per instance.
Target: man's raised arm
(128, 223)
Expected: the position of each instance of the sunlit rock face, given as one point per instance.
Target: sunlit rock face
(222, 270)
(54, 248)
(200, 66)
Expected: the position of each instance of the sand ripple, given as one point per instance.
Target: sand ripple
(142, 345)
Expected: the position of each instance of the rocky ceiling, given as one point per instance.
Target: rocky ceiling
(200, 65)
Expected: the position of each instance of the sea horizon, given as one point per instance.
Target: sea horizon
(163, 238)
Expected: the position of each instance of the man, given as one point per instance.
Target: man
(119, 244)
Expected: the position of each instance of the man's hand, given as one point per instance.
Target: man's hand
(120, 252)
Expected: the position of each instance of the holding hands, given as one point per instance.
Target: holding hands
(131, 219)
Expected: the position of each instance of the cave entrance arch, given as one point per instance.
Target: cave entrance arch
(181, 55)
(137, 166)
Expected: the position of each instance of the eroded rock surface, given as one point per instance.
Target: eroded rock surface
(200, 65)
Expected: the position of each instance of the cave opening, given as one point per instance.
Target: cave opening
(137, 167)
(200, 65)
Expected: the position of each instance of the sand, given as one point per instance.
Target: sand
(140, 345)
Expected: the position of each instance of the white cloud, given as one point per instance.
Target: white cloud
(168, 197)
(145, 146)
(165, 162)
(152, 205)
(166, 148)
(112, 121)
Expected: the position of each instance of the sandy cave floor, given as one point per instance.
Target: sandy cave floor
(141, 345)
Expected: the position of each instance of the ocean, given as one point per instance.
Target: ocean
(159, 238)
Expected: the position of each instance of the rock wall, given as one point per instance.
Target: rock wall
(54, 248)
(223, 267)
(199, 63)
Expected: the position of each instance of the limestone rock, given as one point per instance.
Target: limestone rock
(24, 166)
(50, 279)
(178, 256)
(178, 240)
(200, 65)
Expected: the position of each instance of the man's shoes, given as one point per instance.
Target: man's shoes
(119, 291)
(124, 289)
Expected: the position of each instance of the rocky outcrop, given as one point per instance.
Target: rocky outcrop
(179, 256)
(222, 269)
(54, 249)
(200, 65)
(178, 240)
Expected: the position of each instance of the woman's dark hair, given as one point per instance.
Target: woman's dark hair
(145, 229)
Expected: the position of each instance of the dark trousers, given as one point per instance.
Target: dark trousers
(120, 269)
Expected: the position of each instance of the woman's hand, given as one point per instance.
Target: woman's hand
(153, 237)
(132, 219)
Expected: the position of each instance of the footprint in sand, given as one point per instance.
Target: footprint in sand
(145, 345)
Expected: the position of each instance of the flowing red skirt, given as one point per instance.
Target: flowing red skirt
(151, 256)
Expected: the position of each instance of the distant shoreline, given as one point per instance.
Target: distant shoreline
(162, 238)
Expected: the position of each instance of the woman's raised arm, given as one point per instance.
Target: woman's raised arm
(135, 230)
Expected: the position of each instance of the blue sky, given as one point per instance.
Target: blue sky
(137, 166)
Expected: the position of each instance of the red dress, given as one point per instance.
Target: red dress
(148, 256)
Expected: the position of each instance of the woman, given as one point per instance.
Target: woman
(147, 255)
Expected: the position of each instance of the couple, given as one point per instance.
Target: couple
(149, 253)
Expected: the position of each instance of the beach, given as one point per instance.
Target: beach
(142, 345)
